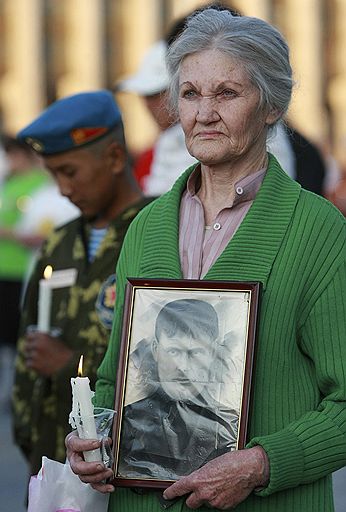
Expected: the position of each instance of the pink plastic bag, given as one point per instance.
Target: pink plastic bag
(57, 489)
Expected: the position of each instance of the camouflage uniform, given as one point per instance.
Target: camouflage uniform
(42, 405)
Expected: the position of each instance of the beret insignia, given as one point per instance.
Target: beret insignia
(84, 135)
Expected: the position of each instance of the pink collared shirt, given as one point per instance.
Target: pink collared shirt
(200, 245)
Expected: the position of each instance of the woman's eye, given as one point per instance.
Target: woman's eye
(226, 93)
(189, 94)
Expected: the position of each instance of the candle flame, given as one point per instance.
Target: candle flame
(48, 271)
(80, 367)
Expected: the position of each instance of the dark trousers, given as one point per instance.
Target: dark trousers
(10, 296)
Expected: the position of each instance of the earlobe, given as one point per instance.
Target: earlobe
(272, 116)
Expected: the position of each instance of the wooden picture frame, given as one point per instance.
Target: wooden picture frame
(184, 377)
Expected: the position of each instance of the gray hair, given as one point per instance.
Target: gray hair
(256, 44)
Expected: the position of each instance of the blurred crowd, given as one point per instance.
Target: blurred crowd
(31, 205)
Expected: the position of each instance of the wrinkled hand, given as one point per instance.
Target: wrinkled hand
(224, 482)
(93, 473)
(45, 354)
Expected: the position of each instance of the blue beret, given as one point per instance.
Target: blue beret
(72, 122)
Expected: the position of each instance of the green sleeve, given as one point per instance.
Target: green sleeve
(315, 444)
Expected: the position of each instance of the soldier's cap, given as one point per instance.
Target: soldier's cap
(72, 122)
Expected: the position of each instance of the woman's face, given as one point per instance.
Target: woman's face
(218, 109)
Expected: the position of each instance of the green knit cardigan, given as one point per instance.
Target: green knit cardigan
(293, 242)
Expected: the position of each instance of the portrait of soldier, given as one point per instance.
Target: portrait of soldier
(179, 425)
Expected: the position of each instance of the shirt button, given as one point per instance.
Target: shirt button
(217, 226)
(239, 190)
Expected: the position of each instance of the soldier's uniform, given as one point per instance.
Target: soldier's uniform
(82, 311)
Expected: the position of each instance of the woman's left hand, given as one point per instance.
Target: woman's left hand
(224, 482)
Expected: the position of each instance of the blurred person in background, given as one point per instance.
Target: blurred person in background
(47, 210)
(299, 157)
(156, 168)
(22, 180)
(81, 141)
(338, 193)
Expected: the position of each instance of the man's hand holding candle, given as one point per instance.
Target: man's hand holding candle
(46, 354)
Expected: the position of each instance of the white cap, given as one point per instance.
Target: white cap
(152, 75)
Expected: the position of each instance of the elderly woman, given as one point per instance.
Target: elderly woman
(237, 216)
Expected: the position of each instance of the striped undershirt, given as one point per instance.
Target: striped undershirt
(95, 239)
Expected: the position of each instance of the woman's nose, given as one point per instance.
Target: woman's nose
(206, 110)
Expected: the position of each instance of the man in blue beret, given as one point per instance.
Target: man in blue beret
(81, 141)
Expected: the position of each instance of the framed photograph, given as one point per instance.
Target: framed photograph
(184, 377)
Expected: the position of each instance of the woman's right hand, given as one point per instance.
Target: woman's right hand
(93, 473)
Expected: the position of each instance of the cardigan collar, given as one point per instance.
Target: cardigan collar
(249, 255)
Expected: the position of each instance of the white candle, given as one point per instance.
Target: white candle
(44, 301)
(83, 412)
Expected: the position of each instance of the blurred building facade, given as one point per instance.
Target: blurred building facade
(51, 48)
